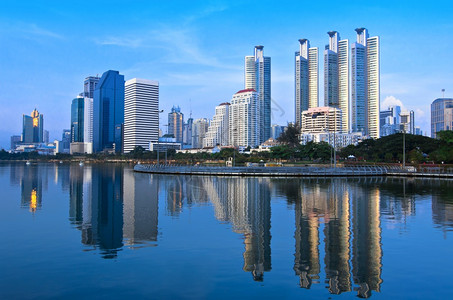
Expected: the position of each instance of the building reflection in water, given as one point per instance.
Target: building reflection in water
(245, 203)
(32, 181)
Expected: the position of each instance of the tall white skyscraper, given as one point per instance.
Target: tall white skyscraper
(258, 77)
(306, 79)
(244, 119)
(365, 85)
(218, 129)
(88, 120)
(141, 113)
(336, 76)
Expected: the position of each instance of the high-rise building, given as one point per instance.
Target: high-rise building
(321, 119)
(88, 120)
(336, 76)
(276, 131)
(218, 129)
(258, 77)
(365, 85)
(141, 113)
(65, 141)
(389, 120)
(77, 120)
(45, 138)
(32, 127)
(108, 113)
(187, 134)
(89, 85)
(199, 129)
(244, 119)
(15, 140)
(175, 123)
(441, 115)
(306, 78)
(407, 122)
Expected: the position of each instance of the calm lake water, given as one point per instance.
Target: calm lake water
(103, 231)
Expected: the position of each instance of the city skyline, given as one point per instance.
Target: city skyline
(205, 56)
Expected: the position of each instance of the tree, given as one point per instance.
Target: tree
(290, 136)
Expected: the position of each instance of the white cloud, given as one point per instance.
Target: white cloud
(392, 101)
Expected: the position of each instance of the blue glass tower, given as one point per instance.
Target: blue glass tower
(108, 113)
(77, 122)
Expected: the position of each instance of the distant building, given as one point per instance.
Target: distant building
(277, 130)
(89, 85)
(306, 79)
(175, 123)
(32, 128)
(88, 120)
(336, 140)
(321, 120)
(258, 77)
(407, 122)
(441, 115)
(244, 120)
(187, 134)
(390, 120)
(15, 140)
(108, 113)
(141, 113)
(64, 146)
(46, 137)
(164, 144)
(218, 129)
(77, 120)
(199, 129)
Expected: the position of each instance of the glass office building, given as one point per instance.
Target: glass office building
(77, 119)
(108, 113)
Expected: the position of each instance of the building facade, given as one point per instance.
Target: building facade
(77, 120)
(321, 119)
(32, 127)
(336, 76)
(244, 119)
(258, 77)
(199, 129)
(187, 135)
(306, 79)
(89, 85)
(141, 113)
(176, 123)
(108, 113)
(219, 128)
(441, 115)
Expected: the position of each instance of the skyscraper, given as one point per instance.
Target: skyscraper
(336, 76)
(89, 85)
(199, 129)
(258, 77)
(77, 120)
(141, 113)
(306, 79)
(108, 113)
(175, 123)
(32, 128)
(441, 115)
(365, 85)
(88, 120)
(244, 119)
(218, 129)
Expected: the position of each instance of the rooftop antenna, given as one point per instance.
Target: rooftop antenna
(443, 93)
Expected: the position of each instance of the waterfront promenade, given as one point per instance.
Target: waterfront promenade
(306, 171)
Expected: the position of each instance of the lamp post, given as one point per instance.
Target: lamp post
(161, 111)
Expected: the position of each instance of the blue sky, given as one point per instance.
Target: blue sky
(196, 49)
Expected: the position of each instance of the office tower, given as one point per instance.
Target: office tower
(336, 76)
(244, 119)
(175, 123)
(365, 85)
(45, 138)
(32, 127)
(258, 77)
(187, 135)
(77, 123)
(88, 120)
(389, 120)
(306, 79)
(141, 113)
(441, 115)
(199, 129)
(321, 119)
(15, 140)
(276, 131)
(65, 141)
(89, 85)
(108, 113)
(218, 129)
(407, 122)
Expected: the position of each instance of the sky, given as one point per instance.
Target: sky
(196, 49)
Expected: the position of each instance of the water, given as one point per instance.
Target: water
(103, 231)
